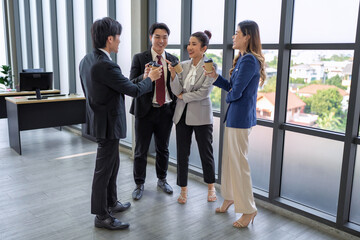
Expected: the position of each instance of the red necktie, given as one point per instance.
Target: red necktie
(160, 86)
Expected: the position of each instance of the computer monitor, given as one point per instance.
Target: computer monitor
(36, 81)
(33, 70)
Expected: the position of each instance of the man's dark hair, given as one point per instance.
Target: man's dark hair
(158, 26)
(102, 29)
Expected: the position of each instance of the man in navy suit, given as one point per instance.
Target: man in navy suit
(153, 111)
(104, 87)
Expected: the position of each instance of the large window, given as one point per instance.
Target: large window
(23, 30)
(209, 15)
(217, 56)
(311, 171)
(47, 35)
(265, 105)
(100, 9)
(3, 54)
(260, 142)
(325, 21)
(171, 18)
(79, 35)
(266, 13)
(355, 200)
(34, 34)
(123, 15)
(319, 88)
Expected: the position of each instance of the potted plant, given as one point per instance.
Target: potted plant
(6, 78)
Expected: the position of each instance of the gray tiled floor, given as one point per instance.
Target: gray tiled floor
(45, 194)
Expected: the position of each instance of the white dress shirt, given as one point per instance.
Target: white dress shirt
(163, 57)
(106, 52)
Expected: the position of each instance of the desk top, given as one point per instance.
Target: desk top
(24, 100)
(54, 91)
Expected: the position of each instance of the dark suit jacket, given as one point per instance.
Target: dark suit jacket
(104, 87)
(141, 105)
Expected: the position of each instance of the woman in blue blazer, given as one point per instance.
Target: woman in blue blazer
(193, 113)
(246, 73)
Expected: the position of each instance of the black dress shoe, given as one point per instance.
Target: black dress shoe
(138, 192)
(119, 207)
(110, 223)
(165, 186)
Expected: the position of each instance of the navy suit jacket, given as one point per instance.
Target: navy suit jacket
(104, 87)
(242, 92)
(141, 105)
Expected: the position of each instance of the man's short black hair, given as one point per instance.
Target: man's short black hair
(158, 26)
(102, 29)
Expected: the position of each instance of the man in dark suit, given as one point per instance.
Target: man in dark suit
(153, 111)
(104, 87)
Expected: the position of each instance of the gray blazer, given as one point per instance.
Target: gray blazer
(199, 110)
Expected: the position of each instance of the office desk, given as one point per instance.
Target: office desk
(24, 114)
(3, 95)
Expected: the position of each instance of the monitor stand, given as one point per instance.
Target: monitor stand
(38, 95)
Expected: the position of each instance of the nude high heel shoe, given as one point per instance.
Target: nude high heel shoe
(225, 206)
(242, 224)
(183, 196)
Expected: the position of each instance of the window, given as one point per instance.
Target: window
(3, 54)
(319, 87)
(100, 9)
(311, 171)
(23, 34)
(265, 105)
(47, 36)
(355, 199)
(34, 33)
(63, 46)
(209, 15)
(325, 21)
(171, 18)
(123, 15)
(266, 13)
(217, 56)
(79, 36)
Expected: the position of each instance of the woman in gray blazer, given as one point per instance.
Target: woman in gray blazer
(193, 113)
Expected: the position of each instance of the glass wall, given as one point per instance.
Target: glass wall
(63, 46)
(23, 34)
(79, 35)
(309, 69)
(3, 54)
(265, 105)
(260, 143)
(266, 13)
(319, 88)
(124, 58)
(100, 9)
(209, 15)
(47, 36)
(171, 18)
(311, 171)
(34, 33)
(217, 56)
(355, 199)
(325, 21)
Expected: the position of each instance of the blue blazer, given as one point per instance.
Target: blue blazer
(242, 92)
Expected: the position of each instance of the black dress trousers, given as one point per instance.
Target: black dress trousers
(204, 139)
(104, 193)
